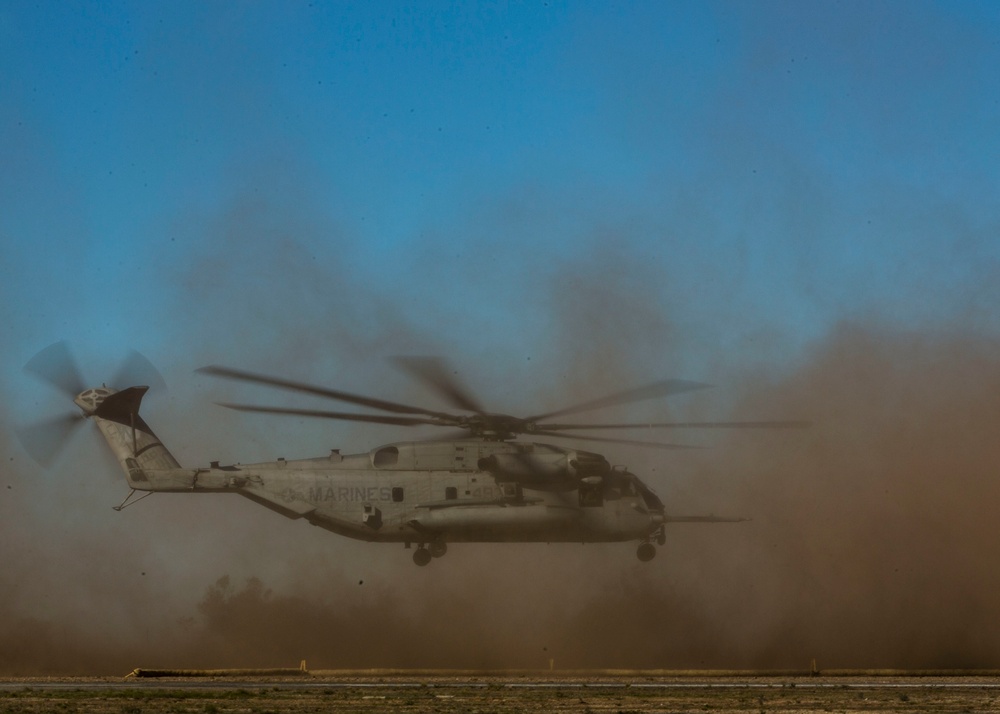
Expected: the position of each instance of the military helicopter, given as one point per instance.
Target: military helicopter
(480, 484)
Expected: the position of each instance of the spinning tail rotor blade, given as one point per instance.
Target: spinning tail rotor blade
(57, 366)
(434, 372)
(137, 370)
(45, 440)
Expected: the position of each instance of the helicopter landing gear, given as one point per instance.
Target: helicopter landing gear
(424, 554)
(645, 552)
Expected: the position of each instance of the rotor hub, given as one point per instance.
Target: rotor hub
(91, 399)
(496, 427)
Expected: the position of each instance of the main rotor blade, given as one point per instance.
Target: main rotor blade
(45, 440)
(343, 416)
(137, 370)
(56, 365)
(683, 425)
(650, 391)
(607, 440)
(434, 372)
(241, 376)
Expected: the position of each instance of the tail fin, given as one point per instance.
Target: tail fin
(131, 440)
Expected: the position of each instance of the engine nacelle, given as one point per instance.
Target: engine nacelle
(571, 466)
(526, 468)
(585, 464)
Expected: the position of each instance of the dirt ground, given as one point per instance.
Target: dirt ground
(501, 694)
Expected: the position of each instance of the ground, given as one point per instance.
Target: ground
(486, 694)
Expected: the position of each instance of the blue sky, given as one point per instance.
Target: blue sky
(772, 166)
(567, 197)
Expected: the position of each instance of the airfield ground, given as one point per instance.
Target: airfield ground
(443, 693)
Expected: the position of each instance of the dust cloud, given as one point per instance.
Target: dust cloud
(871, 545)
(876, 529)
(870, 542)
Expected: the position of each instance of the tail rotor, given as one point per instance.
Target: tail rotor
(136, 370)
(55, 365)
(45, 440)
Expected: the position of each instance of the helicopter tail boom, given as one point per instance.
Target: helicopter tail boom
(132, 442)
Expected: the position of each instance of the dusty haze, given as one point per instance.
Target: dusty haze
(871, 545)
(793, 202)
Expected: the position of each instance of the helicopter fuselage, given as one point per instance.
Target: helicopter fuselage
(423, 492)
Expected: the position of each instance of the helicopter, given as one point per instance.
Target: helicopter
(479, 483)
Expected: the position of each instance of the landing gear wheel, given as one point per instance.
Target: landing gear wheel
(645, 552)
(421, 556)
(438, 548)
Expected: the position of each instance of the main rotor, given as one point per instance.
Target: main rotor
(474, 419)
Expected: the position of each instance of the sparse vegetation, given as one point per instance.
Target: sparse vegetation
(486, 696)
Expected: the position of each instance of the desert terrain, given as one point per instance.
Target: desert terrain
(523, 692)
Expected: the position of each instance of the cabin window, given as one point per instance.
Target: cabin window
(386, 456)
(450, 493)
(397, 494)
(590, 495)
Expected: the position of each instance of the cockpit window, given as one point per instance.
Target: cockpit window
(653, 503)
(386, 456)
